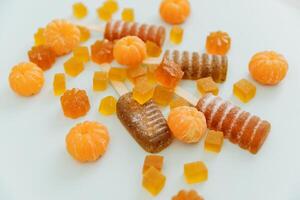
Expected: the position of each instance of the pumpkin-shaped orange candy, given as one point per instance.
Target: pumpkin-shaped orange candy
(130, 51)
(187, 124)
(174, 11)
(87, 141)
(268, 67)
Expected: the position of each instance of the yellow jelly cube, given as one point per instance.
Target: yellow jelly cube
(207, 85)
(59, 84)
(140, 79)
(214, 141)
(178, 102)
(84, 33)
(100, 81)
(176, 34)
(39, 38)
(163, 96)
(153, 181)
(128, 15)
(155, 161)
(244, 90)
(151, 73)
(108, 105)
(111, 6)
(143, 92)
(133, 73)
(153, 50)
(79, 10)
(73, 67)
(117, 74)
(82, 54)
(195, 172)
(104, 14)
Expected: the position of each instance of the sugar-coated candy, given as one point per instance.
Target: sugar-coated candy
(104, 14)
(153, 181)
(84, 33)
(187, 124)
(87, 141)
(155, 161)
(102, 52)
(26, 79)
(39, 37)
(214, 141)
(174, 11)
(111, 6)
(59, 84)
(162, 95)
(168, 73)
(130, 51)
(153, 50)
(73, 67)
(62, 36)
(82, 54)
(196, 66)
(143, 92)
(79, 10)
(268, 67)
(145, 123)
(128, 15)
(108, 105)
(117, 74)
(187, 195)
(176, 34)
(119, 29)
(134, 73)
(43, 56)
(244, 90)
(178, 102)
(195, 172)
(100, 81)
(218, 43)
(75, 103)
(240, 127)
(207, 85)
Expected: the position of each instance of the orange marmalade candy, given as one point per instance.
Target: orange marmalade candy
(134, 73)
(178, 102)
(187, 124)
(128, 15)
(59, 84)
(130, 51)
(155, 161)
(176, 34)
(79, 10)
(207, 85)
(214, 141)
(43, 56)
(75, 103)
(163, 96)
(168, 73)
(108, 105)
(87, 141)
(153, 181)
(142, 92)
(174, 11)
(111, 6)
(244, 90)
(84, 33)
(195, 172)
(82, 54)
(39, 37)
(102, 51)
(153, 50)
(187, 195)
(268, 67)
(26, 79)
(218, 43)
(104, 14)
(62, 36)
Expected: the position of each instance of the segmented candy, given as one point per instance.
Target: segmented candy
(174, 11)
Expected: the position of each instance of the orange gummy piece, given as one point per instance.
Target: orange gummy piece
(143, 92)
(75, 103)
(39, 37)
(43, 56)
(214, 141)
(176, 34)
(195, 172)
(108, 105)
(104, 14)
(73, 67)
(87, 141)
(174, 11)
(130, 51)
(26, 79)
(79, 10)
(82, 54)
(178, 102)
(163, 96)
(153, 181)
(207, 85)
(151, 73)
(128, 15)
(187, 195)
(134, 73)
(117, 74)
(218, 43)
(153, 50)
(155, 161)
(102, 51)
(100, 81)
(59, 84)
(84, 33)
(268, 67)
(244, 90)
(111, 6)
(62, 36)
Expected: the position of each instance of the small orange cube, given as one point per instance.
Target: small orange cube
(136, 72)
(178, 102)
(214, 141)
(153, 50)
(207, 85)
(73, 67)
(117, 74)
(82, 54)
(163, 96)
(244, 90)
(153, 181)
(195, 172)
(143, 92)
(100, 81)
(155, 161)
(108, 105)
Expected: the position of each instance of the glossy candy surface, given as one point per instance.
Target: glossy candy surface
(153, 181)
(108, 105)
(155, 161)
(176, 34)
(244, 90)
(195, 172)
(218, 43)
(100, 81)
(207, 85)
(214, 141)
(187, 195)
(82, 54)
(59, 84)
(102, 52)
(174, 11)
(79, 10)
(43, 56)
(128, 15)
(73, 67)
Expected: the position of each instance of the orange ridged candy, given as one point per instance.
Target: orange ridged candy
(268, 67)
(62, 36)
(187, 195)
(26, 79)
(130, 51)
(87, 141)
(187, 124)
(174, 11)
(218, 43)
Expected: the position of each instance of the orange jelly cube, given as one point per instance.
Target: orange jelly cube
(100, 81)
(207, 85)
(59, 84)
(141, 79)
(117, 74)
(176, 34)
(104, 14)
(163, 96)
(244, 90)
(82, 54)
(153, 50)
(111, 6)
(155, 161)
(136, 72)
(128, 15)
(153, 181)
(214, 141)
(73, 67)
(143, 92)
(195, 172)
(179, 102)
(39, 37)
(108, 105)
(79, 10)
(151, 73)
(84, 33)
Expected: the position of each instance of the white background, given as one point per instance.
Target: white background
(34, 162)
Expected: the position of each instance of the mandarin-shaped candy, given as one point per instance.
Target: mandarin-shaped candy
(87, 141)
(62, 36)
(218, 43)
(79, 10)
(130, 51)
(268, 67)
(187, 195)
(102, 51)
(84, 33)
(26, 79)
(43, 56)
(187, 124)
(75, 103)
(174, 11)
